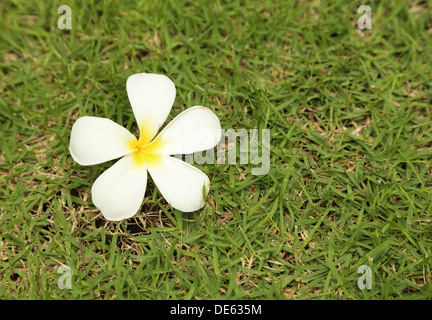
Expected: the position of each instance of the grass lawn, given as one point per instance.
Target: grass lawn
(349, 113)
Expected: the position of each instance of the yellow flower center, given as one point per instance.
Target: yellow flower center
(144, 150)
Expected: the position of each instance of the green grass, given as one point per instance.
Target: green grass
(351, 136)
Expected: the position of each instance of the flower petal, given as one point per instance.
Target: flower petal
(151, 97)
(180, 183)
(95, 140)
(119, 192)
(195, 129)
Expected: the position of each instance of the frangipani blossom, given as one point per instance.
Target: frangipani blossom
(119, 192)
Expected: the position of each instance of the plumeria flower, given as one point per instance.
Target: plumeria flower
(119, 192)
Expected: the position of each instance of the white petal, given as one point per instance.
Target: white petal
(95, 140)
(119, 192)
(195, 129)
(151, 97)
(180, 183)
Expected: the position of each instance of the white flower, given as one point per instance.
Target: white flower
(119, 191)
